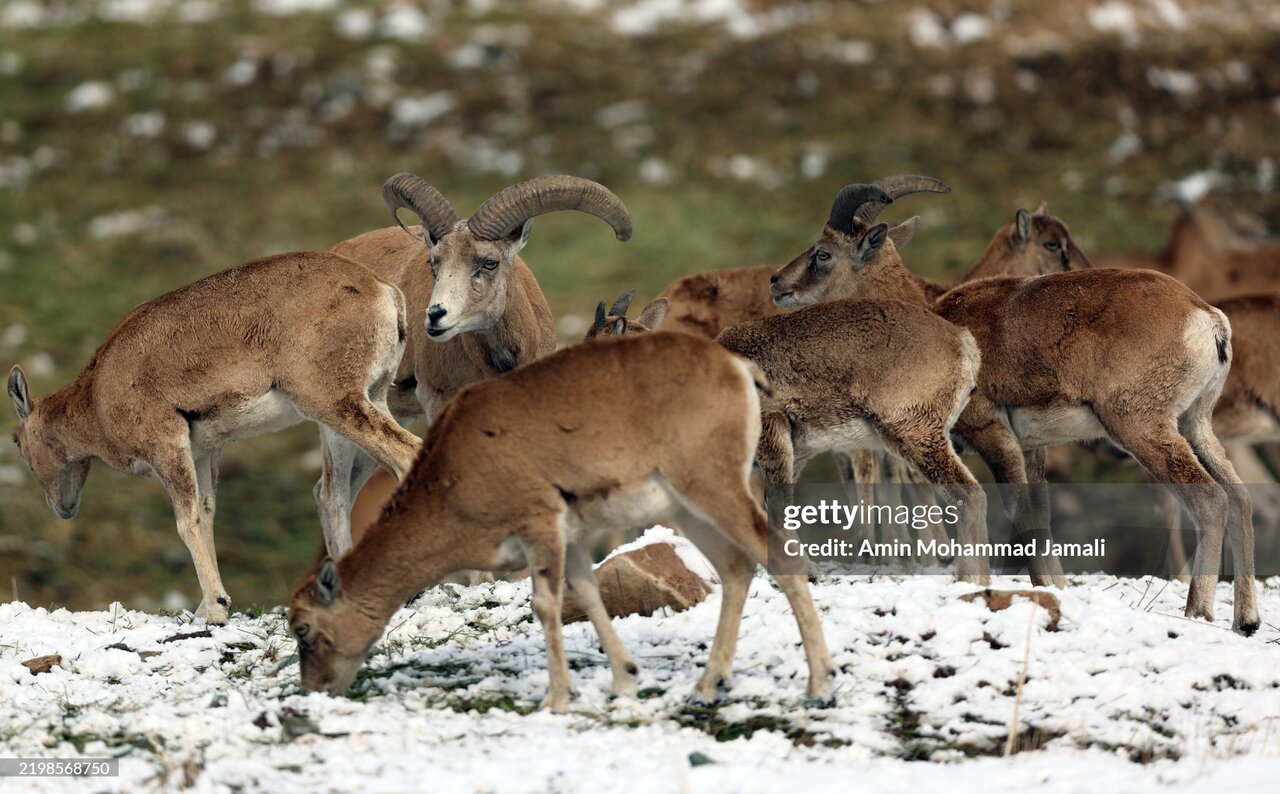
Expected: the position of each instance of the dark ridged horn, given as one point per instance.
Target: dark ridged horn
(897, 187)
(509, 208)
(849, 202)
(600, 317)
(623, 303)
(413, 193)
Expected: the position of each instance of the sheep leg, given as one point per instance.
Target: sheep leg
(581, 579)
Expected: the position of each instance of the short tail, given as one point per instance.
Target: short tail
(757, 375)
(1222, 335)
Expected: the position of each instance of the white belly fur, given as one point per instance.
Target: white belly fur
(267, 413)
(856, 434)
(1037, 427)
(633, 506)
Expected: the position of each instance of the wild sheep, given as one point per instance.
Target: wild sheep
(705, 304)
(475, 308)
(614, 322)
(521, 470)
(243, 352)
(1134, 356)
(1216, 248)
(866, 375)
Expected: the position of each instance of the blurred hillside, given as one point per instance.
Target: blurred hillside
(146, 143)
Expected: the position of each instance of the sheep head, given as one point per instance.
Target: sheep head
(850, 243)
(471, 260)
(614, 322)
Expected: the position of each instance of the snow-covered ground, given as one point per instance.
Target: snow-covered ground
(1126, 695)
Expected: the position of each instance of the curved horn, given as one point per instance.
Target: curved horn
(600, 317)
(412, 192)
(897, 187)
(623, 303)
(509, 208)
(849, 202)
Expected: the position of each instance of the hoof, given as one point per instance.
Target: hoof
(707, 695)
(214, 612)
(624, 688)
(1247, 629)
(828, 702)
(554, 704)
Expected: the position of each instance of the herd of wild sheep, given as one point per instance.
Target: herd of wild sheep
(757, 369)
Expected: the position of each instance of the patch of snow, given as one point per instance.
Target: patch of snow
(1174, 81)
(15, 172)
(10, 63)
(1126, 673)
(1170, 13)
(199, 134)
(355, 23)
(1126, 145)
(90, 95)
(290, 7)
(1196, 186)
(40, 364)
(1114, 17)
(25, 234)
(1265, 179)
(22, 14)
(198, 11)
(629, 111)
(970, 27)
(406, 23)
(855, 52)
(126, 223)
(143, 125)
(14, 335)
(926, 30)
(814, 163)
(242, 72)
(655, 171)
(423, 110)
(646, 17)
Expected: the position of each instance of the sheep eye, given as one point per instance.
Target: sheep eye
(1052, 245)
(490, 264)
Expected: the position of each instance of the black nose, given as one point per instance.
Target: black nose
(774, 278)
(434, 313)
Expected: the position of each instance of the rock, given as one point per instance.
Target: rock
(997, 600)
(42, 664)
(642, 580)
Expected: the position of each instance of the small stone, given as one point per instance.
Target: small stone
(998, 600)
(42, 664)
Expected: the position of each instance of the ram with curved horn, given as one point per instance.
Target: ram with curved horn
(475, 309)
(707, 303)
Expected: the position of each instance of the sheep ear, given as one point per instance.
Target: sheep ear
(870, 245)
(1022, 227)
(19, 393)
(328, 582)
(619, 326)
(520, 237)
(654, 313)
(1043, 209)
(903, 232)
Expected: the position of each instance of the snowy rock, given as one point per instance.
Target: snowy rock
(647, 576)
